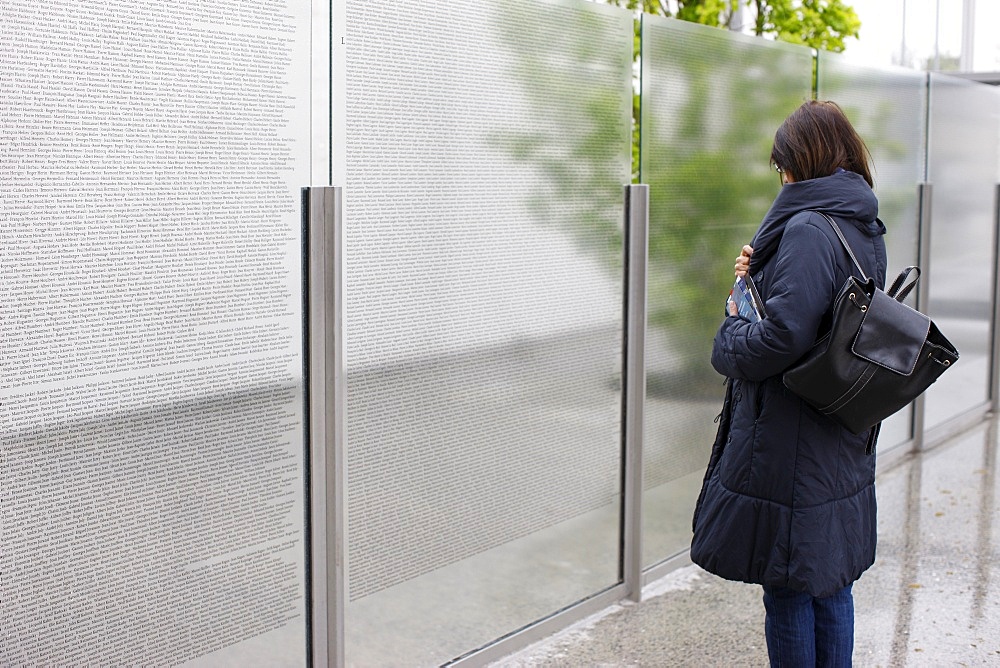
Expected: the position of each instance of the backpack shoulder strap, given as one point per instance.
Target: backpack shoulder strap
(847, 246)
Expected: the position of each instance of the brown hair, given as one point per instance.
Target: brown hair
(816, 139)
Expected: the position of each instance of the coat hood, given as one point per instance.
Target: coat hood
(844, 195)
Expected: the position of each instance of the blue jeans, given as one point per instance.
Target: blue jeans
(803, 631)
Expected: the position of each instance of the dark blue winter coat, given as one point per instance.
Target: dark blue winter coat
(789, 496)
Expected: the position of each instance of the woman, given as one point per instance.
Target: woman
(789, 496)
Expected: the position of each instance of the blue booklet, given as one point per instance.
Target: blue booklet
(748, 302)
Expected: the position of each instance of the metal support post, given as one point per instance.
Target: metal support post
(924, 198)
(324, 388)
(995, 348)
(634, 383)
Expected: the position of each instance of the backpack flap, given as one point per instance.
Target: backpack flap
(891, 334)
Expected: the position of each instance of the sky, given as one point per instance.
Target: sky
(881, 38)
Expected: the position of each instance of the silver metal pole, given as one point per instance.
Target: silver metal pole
(924, 199)
(995, 352)
(326, 427)
(636, 250)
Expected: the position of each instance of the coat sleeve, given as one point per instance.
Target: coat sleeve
(802, 289)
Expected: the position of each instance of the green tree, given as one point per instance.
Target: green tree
(821, 24)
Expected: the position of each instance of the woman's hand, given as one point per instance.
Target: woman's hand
(742, 267)
(743, 261)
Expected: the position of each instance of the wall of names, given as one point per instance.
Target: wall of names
(151, 448)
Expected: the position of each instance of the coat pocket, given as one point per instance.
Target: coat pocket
(735, 466)
(718, 446)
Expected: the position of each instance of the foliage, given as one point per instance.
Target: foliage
(821, 24)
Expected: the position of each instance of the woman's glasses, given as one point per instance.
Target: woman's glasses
(781, 172)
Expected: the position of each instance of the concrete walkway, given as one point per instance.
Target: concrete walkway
(931, 599)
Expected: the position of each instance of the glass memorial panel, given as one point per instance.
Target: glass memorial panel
(151, 392)
(711, 102)
(488, 146)
(888, 107)
(964, 139)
